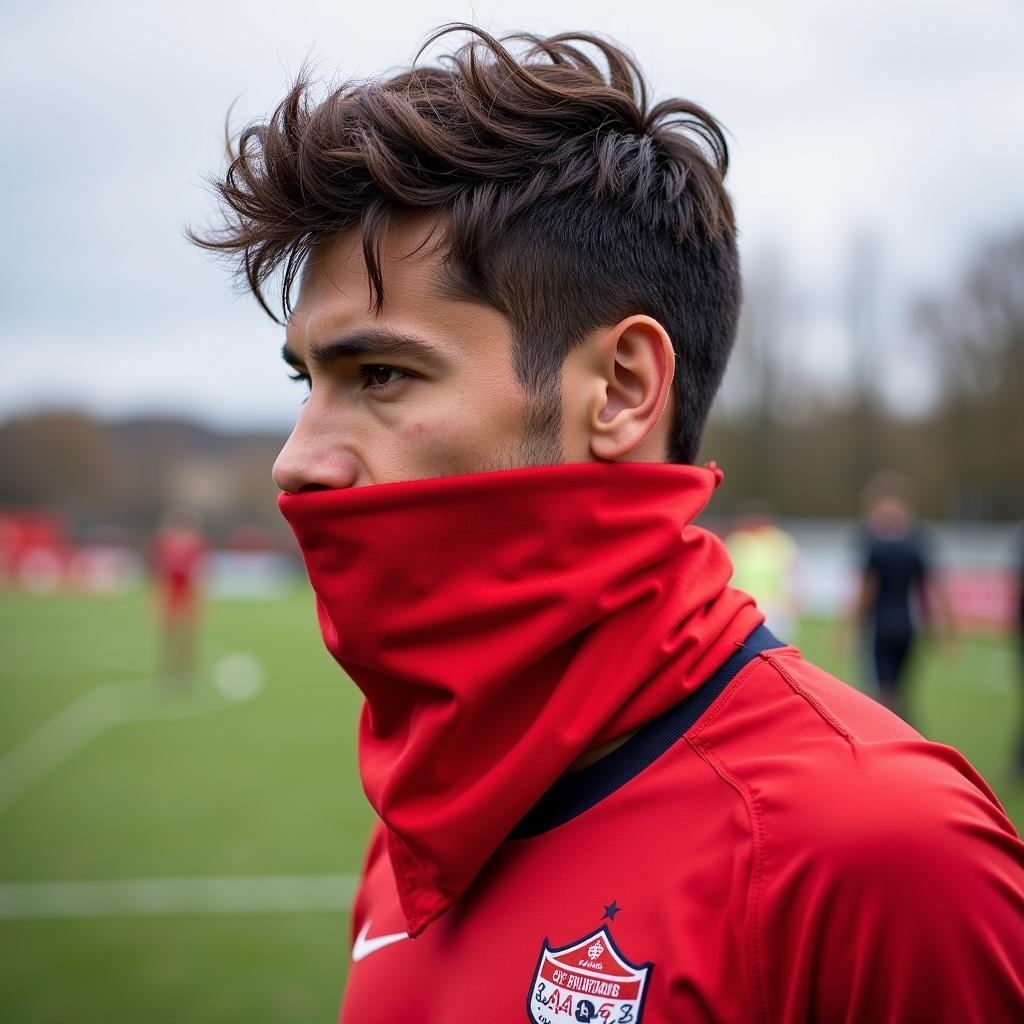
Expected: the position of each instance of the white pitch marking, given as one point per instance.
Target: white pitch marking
(138, 897)
(109, 704)
(58, 740)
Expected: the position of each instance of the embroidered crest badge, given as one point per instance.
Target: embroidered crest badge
(588, 980)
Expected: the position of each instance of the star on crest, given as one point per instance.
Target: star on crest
(611, 910)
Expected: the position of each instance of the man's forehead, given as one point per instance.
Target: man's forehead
(405, 240)
(419, 286)
(334, 281)
(333, 265)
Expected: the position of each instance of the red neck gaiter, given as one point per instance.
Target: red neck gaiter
(500, 625)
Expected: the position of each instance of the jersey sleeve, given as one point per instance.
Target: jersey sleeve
(909, 906)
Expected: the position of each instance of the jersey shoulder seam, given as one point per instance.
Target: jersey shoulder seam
(818, 706)
(725, 696)
(754, 814)
(718, 766)
(704, 750)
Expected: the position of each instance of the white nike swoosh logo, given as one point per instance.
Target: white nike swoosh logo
(364, 946)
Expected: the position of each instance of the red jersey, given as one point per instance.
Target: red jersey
(776, 848)
(765, 845)
(178, 560)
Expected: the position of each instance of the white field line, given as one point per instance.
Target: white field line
(142, 897)
(57, 741)
(109, 704)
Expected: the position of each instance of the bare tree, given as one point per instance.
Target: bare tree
(977, 330)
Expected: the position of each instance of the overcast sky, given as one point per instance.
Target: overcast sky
(903, 119)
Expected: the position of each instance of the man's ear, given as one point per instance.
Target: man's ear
(633, 366)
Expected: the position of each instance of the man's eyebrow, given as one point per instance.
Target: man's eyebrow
(373, 341)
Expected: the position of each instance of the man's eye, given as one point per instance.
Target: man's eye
(380, 376)
(306, 378)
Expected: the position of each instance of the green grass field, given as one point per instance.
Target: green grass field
(165, 785)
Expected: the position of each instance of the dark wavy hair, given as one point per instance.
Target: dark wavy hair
(566, 200)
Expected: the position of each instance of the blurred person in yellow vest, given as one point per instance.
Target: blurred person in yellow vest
(766, 564)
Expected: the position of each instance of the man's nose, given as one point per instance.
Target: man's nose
(312, 459)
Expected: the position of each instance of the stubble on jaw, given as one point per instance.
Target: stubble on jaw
(540, 445)
(541, 442)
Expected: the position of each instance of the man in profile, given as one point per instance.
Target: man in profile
(606, 792)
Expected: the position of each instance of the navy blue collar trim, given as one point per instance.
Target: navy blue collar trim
(573, 794)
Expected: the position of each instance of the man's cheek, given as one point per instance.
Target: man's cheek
(439, 442)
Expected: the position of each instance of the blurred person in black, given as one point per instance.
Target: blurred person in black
(898, 590)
